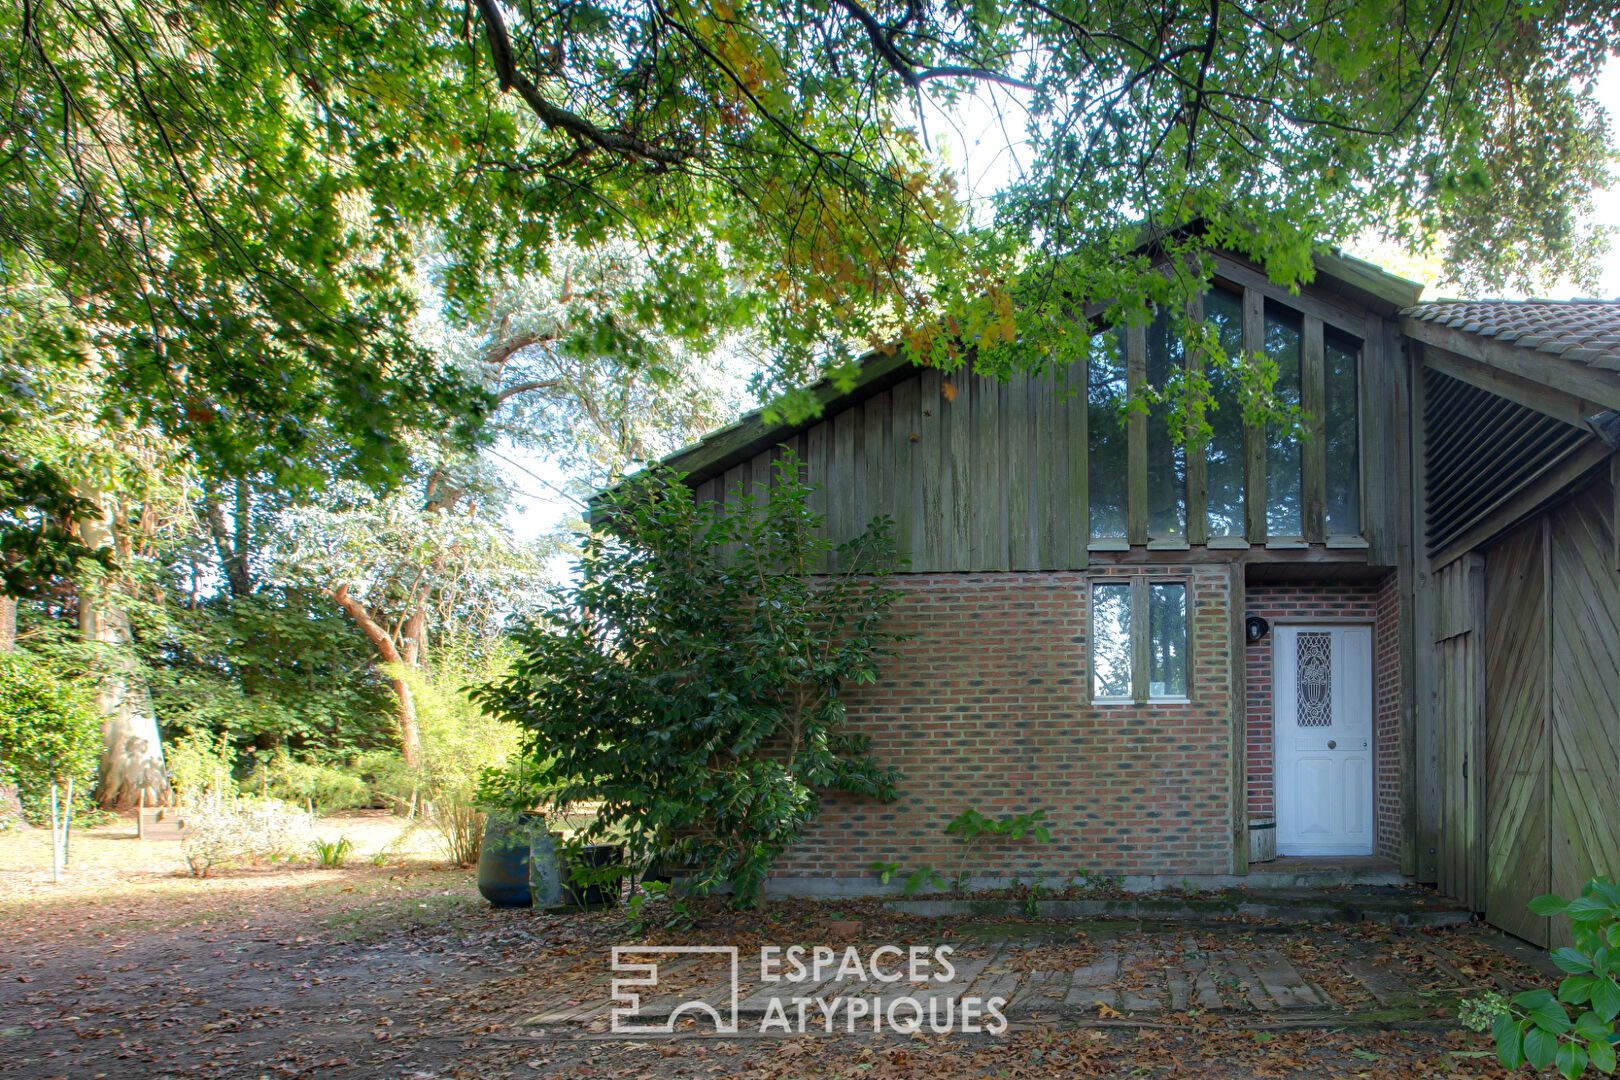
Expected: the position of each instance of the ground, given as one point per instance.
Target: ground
(128, 969)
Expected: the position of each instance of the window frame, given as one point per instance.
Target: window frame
(1140, 643)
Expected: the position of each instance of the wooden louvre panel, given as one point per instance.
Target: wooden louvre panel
(1481, 450)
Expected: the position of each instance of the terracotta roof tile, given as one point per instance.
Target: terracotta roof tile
(1585, 331)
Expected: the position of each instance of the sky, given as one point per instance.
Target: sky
(972, 135)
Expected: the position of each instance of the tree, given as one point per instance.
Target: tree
(407, 567)
(693, 694)
(217, 189)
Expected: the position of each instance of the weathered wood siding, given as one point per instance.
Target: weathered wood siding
(1460, 702)
(977, 474)
(1552, 710)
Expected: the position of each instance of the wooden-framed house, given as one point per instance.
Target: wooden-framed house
(1392, 647)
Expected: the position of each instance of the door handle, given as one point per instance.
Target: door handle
(1333, 744)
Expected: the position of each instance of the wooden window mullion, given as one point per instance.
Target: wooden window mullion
(1139, 640)
(1254, 435)
(1197, 526)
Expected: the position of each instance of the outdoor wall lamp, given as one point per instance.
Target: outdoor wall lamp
(1255, 628)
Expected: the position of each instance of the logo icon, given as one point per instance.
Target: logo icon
(636, 959)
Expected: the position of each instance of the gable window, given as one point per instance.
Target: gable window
(1166, 456)
(1108, 464)
(1223, 453)
(1284, 498)
(1341, 440)
(1139, 640)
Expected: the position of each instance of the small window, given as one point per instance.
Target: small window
(1284, 495)
(1342, 446)
(1139, 658)
(1106, 391)
(1167, 641)
(1111, 642)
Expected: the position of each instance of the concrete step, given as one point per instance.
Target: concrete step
(1386, 905)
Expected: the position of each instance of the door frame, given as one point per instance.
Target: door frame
(1333, 622)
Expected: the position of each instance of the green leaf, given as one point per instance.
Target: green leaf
(1577, 989)
(1572, 959)
(1509, 1036)
(1540, 1047)
(1571, 1060)
(1548, 904)
(1601, 1053)
(1606, 998)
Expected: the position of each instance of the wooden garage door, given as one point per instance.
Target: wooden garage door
(1552, 710)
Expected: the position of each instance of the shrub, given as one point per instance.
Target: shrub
(49, 729)
(460, 745)
(242, 831)
(326, 787)
(200, 768)
(1575, 1028)
(690, 682)
(332, 853)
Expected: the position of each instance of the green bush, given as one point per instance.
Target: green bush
(201, 768)
(1575, 1028)
(691, 682)
(460, 745)
(49, 729)
(327, 787)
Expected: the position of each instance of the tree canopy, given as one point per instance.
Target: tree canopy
(225, 201)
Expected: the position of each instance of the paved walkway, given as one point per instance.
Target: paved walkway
(1321, 976)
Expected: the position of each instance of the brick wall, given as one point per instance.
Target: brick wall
(987, 707)
(1329, 600)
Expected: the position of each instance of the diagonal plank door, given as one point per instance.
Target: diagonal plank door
(1584, 732)
(1516, 618)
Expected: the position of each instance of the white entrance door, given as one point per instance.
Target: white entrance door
(1322, 744)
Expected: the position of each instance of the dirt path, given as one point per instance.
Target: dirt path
(402, 971)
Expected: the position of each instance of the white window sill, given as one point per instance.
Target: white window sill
(1347, 542)
(1227, 543)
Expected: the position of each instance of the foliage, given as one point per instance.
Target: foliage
(251, 186)
(332, 853)
(1575, 1028)
(49, 728)
(240, 831)
(461, 747)
(38, 547)
(201, 768)
(691, 682)
(277, 667)
(307, 783)
(971, 828)
(641, 911)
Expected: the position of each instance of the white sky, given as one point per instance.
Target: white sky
(973, 135)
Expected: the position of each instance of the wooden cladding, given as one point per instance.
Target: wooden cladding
(1036, 472)
(977, 474)
(1551, 711)
(1480, 451)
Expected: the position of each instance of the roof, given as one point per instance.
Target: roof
(1585, 331)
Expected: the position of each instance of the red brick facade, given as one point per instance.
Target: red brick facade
(1329, 601)
(987, 707)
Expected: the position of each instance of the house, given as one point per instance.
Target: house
(1390, 647)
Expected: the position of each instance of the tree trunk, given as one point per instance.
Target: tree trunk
(131, 750)
(410, 738)
(8, 624)
(231, 544)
